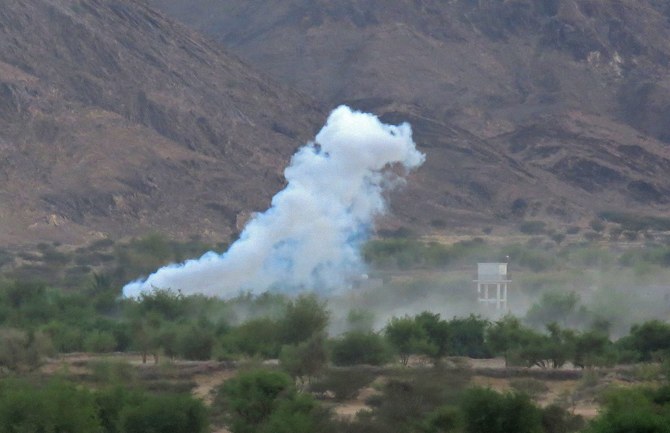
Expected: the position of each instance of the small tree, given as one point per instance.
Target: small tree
(591, 348)
(304, 317)
(649, 338)
(267, 402)
(505, 336)
(406, 336)
(555, 306)
(146, 332)
(560, 345)
(103, 292)
(438, 335)
(467, 337)
(164, 303)
(305, 360)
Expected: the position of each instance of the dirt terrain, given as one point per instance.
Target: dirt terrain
(116, 121)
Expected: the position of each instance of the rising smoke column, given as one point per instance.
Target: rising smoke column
(310, 237)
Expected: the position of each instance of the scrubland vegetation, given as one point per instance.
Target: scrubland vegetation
(593, 308)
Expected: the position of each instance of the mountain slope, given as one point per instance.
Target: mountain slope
(551, 109)
(116, 121)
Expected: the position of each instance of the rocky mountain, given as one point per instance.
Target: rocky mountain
(116, 121)
(536, 109)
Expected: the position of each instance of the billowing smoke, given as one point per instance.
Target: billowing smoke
(310, 237)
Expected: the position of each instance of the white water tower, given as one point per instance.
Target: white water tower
(492, 284)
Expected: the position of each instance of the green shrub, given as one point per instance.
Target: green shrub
(65, 338)
(636, 410)
(411, 395)
(59, 407)
(356, 348)
(486, 411)
(165, 414)
(263, 401)
(196, 343)
(556, 419)
(100, 342)
(257, 337)
(444, 419)
(304, 316)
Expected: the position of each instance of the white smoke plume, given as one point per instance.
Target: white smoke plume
(310, 237)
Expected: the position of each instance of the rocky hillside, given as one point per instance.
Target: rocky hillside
(552, 109)
(115, 121)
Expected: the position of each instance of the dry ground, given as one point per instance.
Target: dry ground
(204, 377)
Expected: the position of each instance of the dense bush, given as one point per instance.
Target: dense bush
(486, 411)
(635, 410)
(267, 402)
(164, 414)
(648, 340)
(427, 334)
(412, 398)
(59, 407)
(195, 342)
(63, 407)
(355, 348)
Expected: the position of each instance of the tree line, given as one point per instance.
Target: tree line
(37, 320)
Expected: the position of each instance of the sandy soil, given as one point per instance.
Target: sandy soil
(349, 409)
(491, 382)
(209, 376)
(206, 384)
